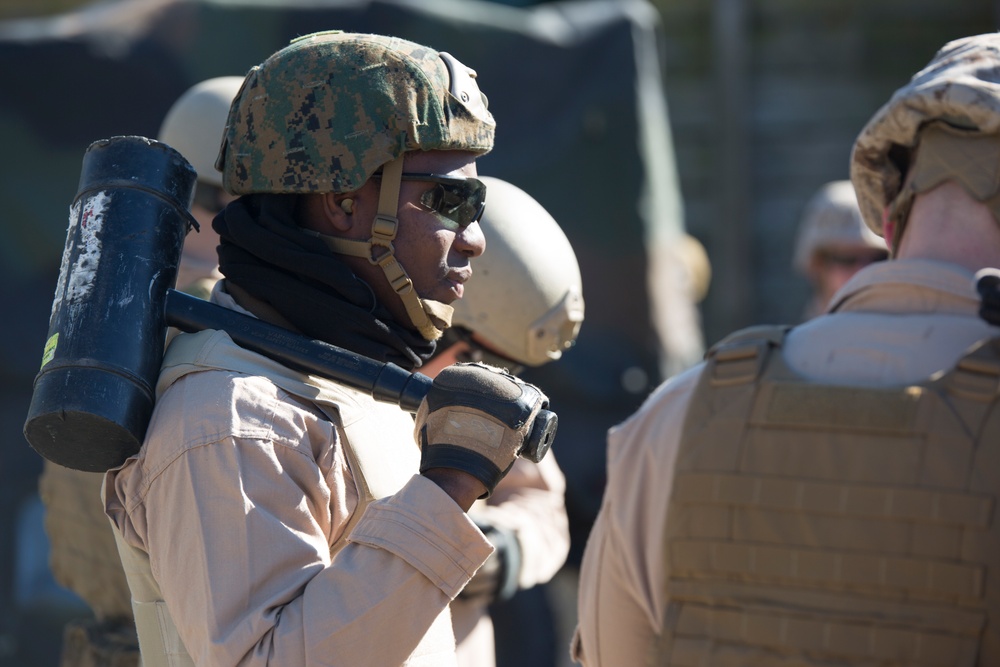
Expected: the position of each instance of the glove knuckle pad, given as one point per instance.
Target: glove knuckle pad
(474, 386)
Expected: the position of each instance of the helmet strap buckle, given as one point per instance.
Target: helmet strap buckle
(383, 232)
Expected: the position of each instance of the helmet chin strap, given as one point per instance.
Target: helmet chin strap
(430, 318)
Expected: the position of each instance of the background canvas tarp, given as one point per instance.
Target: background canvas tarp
(582, 125)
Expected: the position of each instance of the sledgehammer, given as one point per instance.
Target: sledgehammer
(94, 394)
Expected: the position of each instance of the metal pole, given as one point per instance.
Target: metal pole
(734, 296)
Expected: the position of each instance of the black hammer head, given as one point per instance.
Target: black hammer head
(93, 395)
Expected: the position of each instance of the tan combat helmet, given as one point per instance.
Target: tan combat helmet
(525, 297)
(831, 218)
(951, 110)
(331, 109)
(194, 124)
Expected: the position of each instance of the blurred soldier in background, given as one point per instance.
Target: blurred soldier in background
(522, 307)
(83, 555)
(827, 495)
(193, 126)
(833, 243)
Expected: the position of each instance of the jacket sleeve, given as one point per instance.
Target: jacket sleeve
(238, 519)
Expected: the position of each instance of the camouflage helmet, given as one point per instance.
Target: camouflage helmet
(831, 217)
(955, 97)
(525, 297)
(195, 123)
(327, 111)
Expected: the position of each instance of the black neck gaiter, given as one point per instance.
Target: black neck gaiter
(264, 252)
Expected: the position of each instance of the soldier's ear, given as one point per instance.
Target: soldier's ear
(888, 229)
(338, 209)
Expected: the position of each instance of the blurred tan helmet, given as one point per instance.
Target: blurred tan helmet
(697, 267)
(525, 297)
(956, 97)
(831, 218)
(195, 124)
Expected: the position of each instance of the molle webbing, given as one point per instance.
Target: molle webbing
(822, 525)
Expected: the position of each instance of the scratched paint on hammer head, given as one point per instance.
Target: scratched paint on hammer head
(74, 213)
(86, 220)
(91, 221)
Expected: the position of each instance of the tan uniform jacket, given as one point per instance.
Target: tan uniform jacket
(238, 496)
(893, 323)
(529, 501)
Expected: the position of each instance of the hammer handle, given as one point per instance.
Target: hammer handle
(385, 381)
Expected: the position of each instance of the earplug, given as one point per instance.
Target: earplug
(347, 205)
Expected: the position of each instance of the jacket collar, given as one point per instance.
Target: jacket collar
(909, 286)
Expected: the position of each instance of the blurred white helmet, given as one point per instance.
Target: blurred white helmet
(195, 124)
(525, 297)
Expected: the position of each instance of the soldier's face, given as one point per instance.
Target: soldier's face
(435, 251)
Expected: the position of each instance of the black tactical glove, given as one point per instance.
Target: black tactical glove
(475, 418)
(497, 578)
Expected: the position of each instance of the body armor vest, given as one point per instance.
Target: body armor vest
(812, 524)
(379, 448)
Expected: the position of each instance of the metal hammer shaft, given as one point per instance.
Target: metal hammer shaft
(385, 382)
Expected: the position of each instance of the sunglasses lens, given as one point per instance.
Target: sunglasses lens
(460, 200)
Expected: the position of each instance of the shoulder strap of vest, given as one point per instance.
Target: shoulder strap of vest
(769, 333)
(724, 393)
(739, 357)
(977, 373)
(972, 389)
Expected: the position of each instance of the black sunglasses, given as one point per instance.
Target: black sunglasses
(461, 200)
